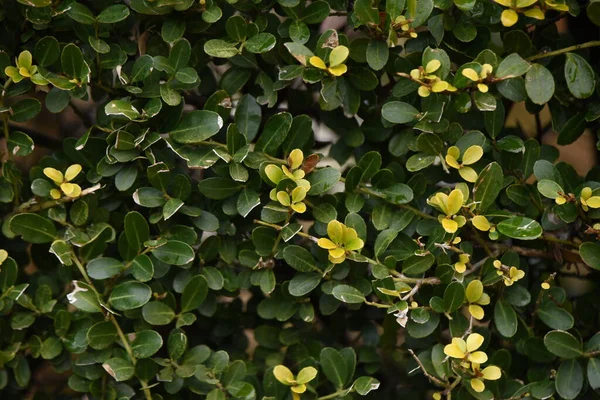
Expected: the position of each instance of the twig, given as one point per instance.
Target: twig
(576, 47)
(432, 378)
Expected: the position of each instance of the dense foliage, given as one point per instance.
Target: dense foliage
(265, 208)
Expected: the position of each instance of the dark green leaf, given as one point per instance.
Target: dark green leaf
(562, 344)
(569, 379)
(129, 295)
(33, 228)
(539, 84)
(113, 14)
(194, 293)
(398, 112)
(520, 228)
(505, 319)
(333, 366)
(580, 77)
(104, 267)
(174, 252)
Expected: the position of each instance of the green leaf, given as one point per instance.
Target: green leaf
(563, 344)
(194, 293)
(580, 77)
(84, 298)
(220, 48)
(454, 296)
(555, 317)
(146, 344)
(142, 68)
(62, 251)
(572, 129)
(430, 143)
(247, 201)
(142, 268)
(20, 144)
(171, 207)
(113, 14)
(383, 241)
(172, 29)
(398, 193)
(377, 54)
(304, 283)
(486, 188)
(158, 313)
(122, 108)
(422, 12)
(33, 228)
(505, 319)
(73, 63)
(590, 254)
(136, 230)
(47, 51)
(512, 66)
(212, 14)
(51, 348)
(129, 295)
(274, 133)
(365, 384)
(348, 294)
(593, 372)
(334, 367)
(394, 9)
(316, 12)
(299, 32)
(81, 14)
(494, 120)
(593, 12)
(419, 161)
(398, 112)
(321, 180)
(539, 84)
(365, 12)
(149, 197)
(174, 252)
(299, 258)
(197, 126)
(549, 189)
(104, 268)
(99, 45)
(247, 117)
(236, 27)
(179, 56)
(260, 43)
(101, 335)
(417, 264)
(569, 379)
(25, 109)
(119, 368)
(187, 75)
(521, 228)
(218, 188)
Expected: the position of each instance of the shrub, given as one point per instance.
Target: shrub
(261, 207)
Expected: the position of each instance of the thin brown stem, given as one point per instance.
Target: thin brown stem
(432, 378)
(576, 47)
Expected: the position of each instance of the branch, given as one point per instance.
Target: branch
(432, 378)
(576, 47)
